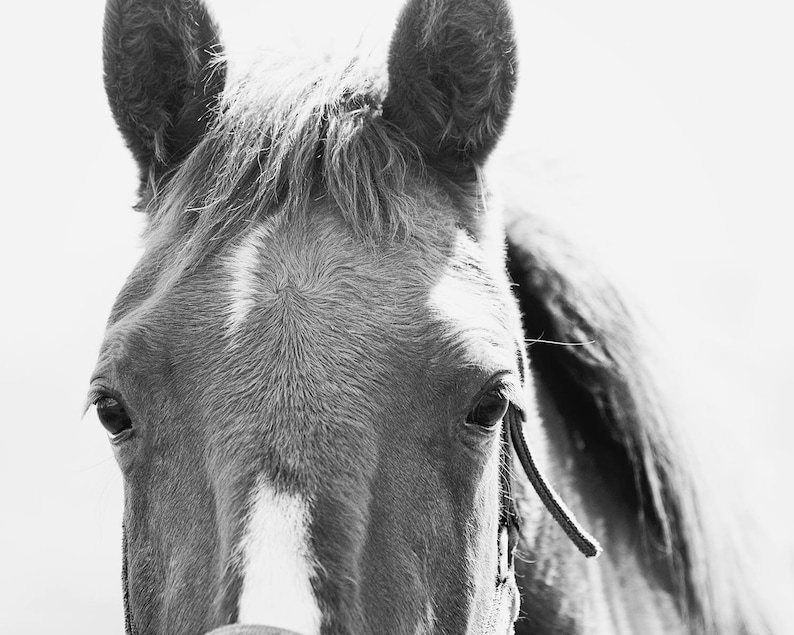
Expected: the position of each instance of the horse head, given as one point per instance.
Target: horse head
(307, 376)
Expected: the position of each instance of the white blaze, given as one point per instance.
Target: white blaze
(472, 308)
(278, 564)
(243, 268)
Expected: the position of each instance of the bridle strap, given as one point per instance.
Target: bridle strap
(509, 520)
(559, 511)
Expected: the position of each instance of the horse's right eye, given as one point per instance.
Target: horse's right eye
(490, 409)
(113, 416)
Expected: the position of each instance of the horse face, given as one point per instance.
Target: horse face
(307, 415)
(303, 444)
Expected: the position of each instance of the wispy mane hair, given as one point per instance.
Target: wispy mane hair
(288, 137)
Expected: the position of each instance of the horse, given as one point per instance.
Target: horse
(337, 350)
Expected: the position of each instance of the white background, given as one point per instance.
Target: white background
(659, 136)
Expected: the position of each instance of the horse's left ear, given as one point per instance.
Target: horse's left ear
(160, 77)
(452, 73)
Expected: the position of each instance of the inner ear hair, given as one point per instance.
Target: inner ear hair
(452, 73)
(161, 77)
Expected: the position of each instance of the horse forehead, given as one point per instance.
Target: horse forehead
(453, 270)
(317, 266)
(312, 276)
(306, 304)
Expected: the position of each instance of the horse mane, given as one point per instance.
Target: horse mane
(287, 137)
(604, 389)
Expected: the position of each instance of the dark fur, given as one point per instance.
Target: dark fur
(452, 72)
(159, 79)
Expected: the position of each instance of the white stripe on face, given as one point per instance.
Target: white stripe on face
(278, 564)
(473, 309)
(243, 268)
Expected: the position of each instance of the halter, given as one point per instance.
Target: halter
(508, 518)
(505, 605)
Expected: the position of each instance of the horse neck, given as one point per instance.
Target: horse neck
(625, 590)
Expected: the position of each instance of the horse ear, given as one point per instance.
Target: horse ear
(160, 77)
(452, 73)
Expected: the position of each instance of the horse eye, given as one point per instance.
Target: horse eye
(113, 416)
(490, 410)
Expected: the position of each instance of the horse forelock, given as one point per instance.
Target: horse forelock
(285, 136)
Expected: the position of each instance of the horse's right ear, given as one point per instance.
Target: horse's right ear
(452, 73)
(161, 77)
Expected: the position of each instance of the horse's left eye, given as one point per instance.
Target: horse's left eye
(113, 416)
(490, 410)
